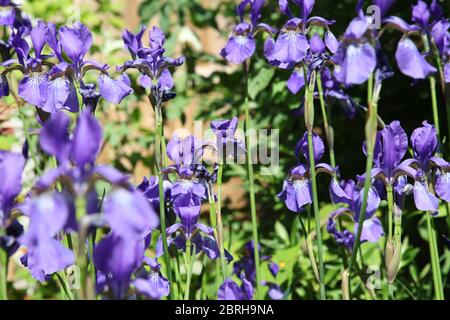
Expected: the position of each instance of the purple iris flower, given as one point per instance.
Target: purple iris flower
(151, 62)
(11, 168)
(149, 187)
(227, 144)
(241, 44)
(186, 154)
(292, 46)
(430, 170)
(296, 191)
(131, 219)
(76, 155)
(7, 12)
(49, 214)
(230, 290)
(246, 265)
(390, 147)
(152, 284)
(200, 235)
(351, 194)
(410, 60)
(51, 86)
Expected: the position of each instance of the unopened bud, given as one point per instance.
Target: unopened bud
(345, 285)
(312, 259)
(393, 258)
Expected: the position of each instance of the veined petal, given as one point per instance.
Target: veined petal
(113, 90)
(290, 47)
(372, 230)
(33, 89)
(239, 48)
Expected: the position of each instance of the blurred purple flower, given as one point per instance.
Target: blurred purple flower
(241, 43)
(230, 290)
(296, 191)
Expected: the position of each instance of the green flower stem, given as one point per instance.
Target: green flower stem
(190, 257)
(328, 128)
(434, 253)
(432, 81)
(390, 200)
(26, 129)
(64, 285)
(162, 212)
(443, 86)
(220, 239)
(251, 185)
(3, 275)
(371, 131)
(81, 257)
(309, 121)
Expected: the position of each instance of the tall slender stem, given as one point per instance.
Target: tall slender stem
(309, 121)
(328, 128)
(189, 264)
(251, 183)
(162, 211)
(434, 254)
(371, 131)
(26, 129)
(432, 81)
(3, 275)
(220, 239)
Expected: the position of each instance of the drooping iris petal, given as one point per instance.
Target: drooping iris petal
(129, 214)
(358, 64)
(239, 48)
(165, 80)
(118, 258)
(423, 199)
(76, 41)
(48, 257)
(54, 136)
(296, 81)
(154, 287)
(113, 90)
(7, 16)
(442, 186)
(33, 89)
(411, 62)
(372, 230)
(440, 35)
(399, 24)
(230, 290)
(338, 195)
(291, 45)
(296, 194)
(57, 93)
(11, 168)
(86, 139)
(447, 72)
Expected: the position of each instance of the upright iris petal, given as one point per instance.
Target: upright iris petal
(87, 139)
(76, 41)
